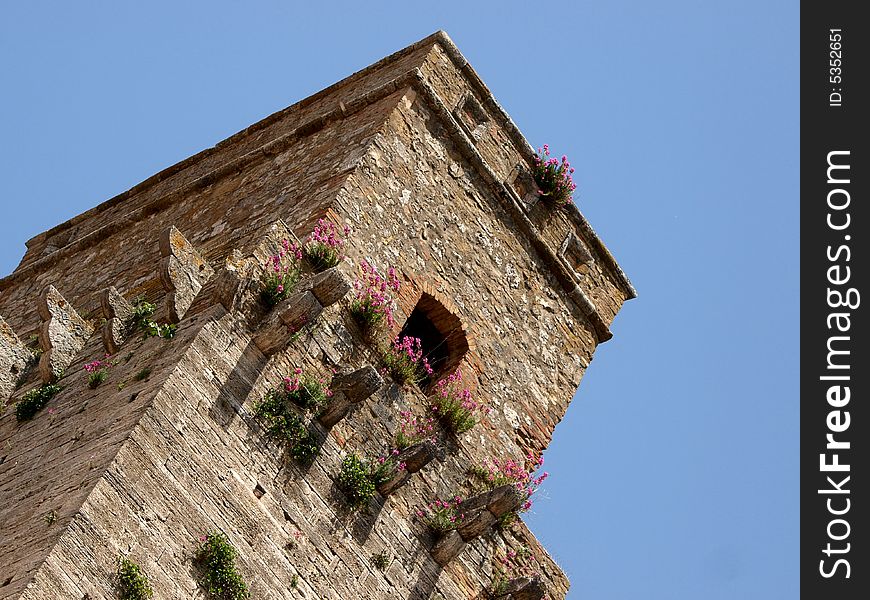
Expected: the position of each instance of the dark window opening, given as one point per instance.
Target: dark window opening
(441, 337)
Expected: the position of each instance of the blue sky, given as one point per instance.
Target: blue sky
(675, 471)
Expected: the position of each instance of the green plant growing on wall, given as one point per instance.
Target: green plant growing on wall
(283, 424)
(553, 178)
(303, 390)
(381, 560)
(34, 401)
(454, 405)
(414, 429)
(216, 558)
(404, 360)
(143, 313)
(131, 582)
(355, 479)
(373, 301)
(323, 249)
(98, 370)
(442, 516)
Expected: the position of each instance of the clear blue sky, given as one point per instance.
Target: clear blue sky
(675, 472)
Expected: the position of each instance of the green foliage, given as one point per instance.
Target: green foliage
(132, 582)
(381, 560)
(283, 271)
(382, 470)
(310, 394)
(216, 557)
(34, 401)
(143, 311)
(96, 378)
(321, 256)
(143, 374)
(50, 517)
(283, 424)
(355, 479)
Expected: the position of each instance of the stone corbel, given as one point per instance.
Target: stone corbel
(14, 357)
(62, 335)
(118, 314)
(349, 389)
(288, 317)
(415, 458)
(183, 272)
(481, 513)
(523, 588)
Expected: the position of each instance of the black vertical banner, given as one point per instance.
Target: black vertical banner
(835, 369)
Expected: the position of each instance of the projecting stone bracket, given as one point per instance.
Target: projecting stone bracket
(183, 272)
(118, 314)
(415, 458)
(481, 513)
(448, 547)
(523, 588)
(288, 317)
(498, 501)
(328, 287)
(62, 335)
(14, 358)
(349, 389)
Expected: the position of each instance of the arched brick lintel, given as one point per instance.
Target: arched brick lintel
(446, 317)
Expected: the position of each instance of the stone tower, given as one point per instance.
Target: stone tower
(432, 178)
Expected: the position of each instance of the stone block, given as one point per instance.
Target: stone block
(118, 314)
(62, 335)
(349, 389)
(14, 357)
(183, 272)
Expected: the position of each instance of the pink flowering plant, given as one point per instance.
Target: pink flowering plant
(554, 178)
(373, 300)
(414, 429)
(442, 516)
(324, 247)
(385, 467)
(98, 370)
(513, 564)
(453, 404)
(304, 390)
(404, 360)
(282, 272)
(526, 478)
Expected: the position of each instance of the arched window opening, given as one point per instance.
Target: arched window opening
(441, 335)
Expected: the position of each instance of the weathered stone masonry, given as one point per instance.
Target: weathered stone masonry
(415, 155)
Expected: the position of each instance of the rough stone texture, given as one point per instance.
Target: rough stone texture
(168, 448)
(62, 335)
(13, 361)
(349, 389)
(328, 287)
(183, 272)
(414, 458)
(118, 314)
(523, 588)
(285, 320)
